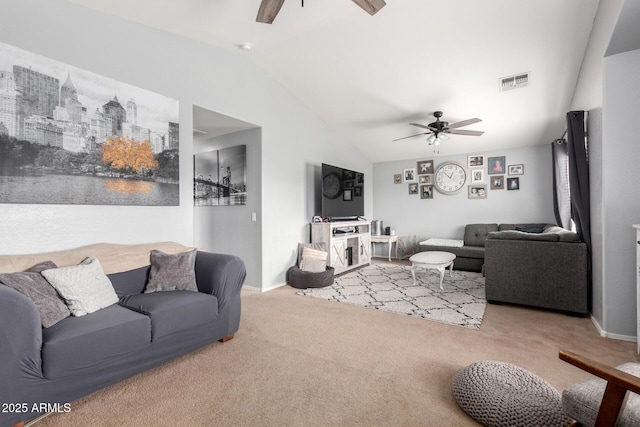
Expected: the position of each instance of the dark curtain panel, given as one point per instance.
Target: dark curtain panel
(579, 174)
(579, 182)
(561, 188)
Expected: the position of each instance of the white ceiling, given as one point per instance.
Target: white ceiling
(367, 77)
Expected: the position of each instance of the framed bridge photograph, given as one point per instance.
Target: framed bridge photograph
(220, 177)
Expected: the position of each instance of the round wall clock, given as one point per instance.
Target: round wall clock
(331, 185)
(450, 178)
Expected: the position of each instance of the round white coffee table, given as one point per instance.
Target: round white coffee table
(432, 259)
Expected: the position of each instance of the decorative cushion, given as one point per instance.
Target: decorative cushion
(172, 272)
(530, 229)
(521, 235)
(313, 260)
(450, 243)
(30, 283)
(531, 225)
(301, 246)
(476, 234)
(563, 234)
(582, 401)
(499, 394)
(130, 282)
(84, 287)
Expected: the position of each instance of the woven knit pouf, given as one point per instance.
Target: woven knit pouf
(499, 394)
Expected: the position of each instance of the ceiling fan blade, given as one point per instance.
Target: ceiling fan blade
(411, 136)
(370, 6)
(464, 123)
(268, 11)
(466, 132)
(422, 126)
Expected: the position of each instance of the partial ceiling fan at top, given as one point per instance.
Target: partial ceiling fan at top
(438, 130)
(269, 8)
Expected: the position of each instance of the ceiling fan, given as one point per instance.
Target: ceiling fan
(438, 130)
(269, 8)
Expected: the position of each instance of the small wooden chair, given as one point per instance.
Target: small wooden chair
(601, 402)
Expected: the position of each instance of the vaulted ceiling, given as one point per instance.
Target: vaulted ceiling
(367, 77)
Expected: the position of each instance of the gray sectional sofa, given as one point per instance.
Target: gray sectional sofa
(533, 264)
(45, 368)
(470, 256)
(544, 267)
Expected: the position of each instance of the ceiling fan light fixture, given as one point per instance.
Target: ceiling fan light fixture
(431, 139)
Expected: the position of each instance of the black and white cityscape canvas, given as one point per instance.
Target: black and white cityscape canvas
(221, 177)
(70, 136)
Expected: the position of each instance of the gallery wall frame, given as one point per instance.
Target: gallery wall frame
(475, 161)
(497, 182)
(72, 136)
(496, 165)
(477, 175)
(513, 183)
(516, 169)
(477, 191)
(425, 179)
(425, 167)
(426, 191)
(410, 175)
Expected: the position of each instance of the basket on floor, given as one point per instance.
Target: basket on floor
(306, 279)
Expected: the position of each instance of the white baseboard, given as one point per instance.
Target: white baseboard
(253, 288)
(598, 327)
(606, 334)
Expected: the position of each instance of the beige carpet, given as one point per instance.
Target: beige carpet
(309, 362)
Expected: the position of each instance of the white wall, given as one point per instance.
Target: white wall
(292, 137)
(446, 215)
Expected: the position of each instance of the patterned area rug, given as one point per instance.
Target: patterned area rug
(390, 287)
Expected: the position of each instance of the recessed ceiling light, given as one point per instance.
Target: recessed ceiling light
(246, 46)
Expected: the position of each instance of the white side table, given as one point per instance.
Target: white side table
(389, 240)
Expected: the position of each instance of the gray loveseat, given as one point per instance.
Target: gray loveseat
(44, 369)
(541, 265)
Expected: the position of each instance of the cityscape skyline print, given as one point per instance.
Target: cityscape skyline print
(57, 119)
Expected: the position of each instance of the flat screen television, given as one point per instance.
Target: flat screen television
(342, 193)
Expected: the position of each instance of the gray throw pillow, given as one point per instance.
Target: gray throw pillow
(172, 272)
(84, 287)
(30, 283)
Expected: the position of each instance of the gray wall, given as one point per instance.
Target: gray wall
(445, 216)
(621, 192)
(230, 229)
(612, 158)
(293, 138)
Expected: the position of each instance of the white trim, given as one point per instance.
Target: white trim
(253, 288)
(598, 327)
(629, 338)
(606, 334)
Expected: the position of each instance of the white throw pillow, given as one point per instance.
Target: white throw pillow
(84, 287)
(313, 260)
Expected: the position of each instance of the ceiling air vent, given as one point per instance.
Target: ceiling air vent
(514, 82)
